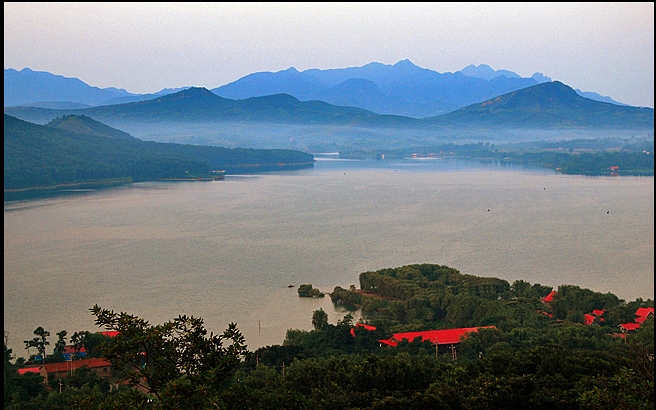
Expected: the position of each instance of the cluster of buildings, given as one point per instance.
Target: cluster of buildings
(641, 315)
(445, 340)
(50, 371)
(74, 359)
(597, 316)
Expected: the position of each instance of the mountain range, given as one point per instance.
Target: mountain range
(198, 116)
(399, 89)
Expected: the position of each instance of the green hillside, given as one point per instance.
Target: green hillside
(43, 156)
(81, 124)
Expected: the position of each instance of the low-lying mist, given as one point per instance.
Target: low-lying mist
(332, 138)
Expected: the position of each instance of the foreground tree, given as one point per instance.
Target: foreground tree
(40, 342)
(176, 361)
(319, 319)
(60, 346)
(78, 339)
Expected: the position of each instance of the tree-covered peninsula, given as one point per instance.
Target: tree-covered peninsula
(77, 149)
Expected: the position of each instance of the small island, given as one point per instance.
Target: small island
(307, 291)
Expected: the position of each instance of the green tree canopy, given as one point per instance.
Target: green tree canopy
(39, 342)
(319, 319)
(177, 360)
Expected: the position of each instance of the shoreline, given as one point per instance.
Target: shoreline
(118, 181)
(70, 185)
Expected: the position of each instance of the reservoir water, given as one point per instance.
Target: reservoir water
(227, 250)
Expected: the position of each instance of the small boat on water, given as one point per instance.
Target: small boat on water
(290, 285)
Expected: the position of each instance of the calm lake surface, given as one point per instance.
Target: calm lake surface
(226, 250)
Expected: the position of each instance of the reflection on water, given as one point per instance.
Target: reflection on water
(226, 250)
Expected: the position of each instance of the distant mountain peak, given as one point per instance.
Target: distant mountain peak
(486, 72)
(405, 63)
(541, 78)
(192, 92)
(192, 95)
(165, 91)
(481, 67)
(197, 90)
(28, 86)
(547, 93)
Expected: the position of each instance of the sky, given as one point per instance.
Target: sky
(607, 48)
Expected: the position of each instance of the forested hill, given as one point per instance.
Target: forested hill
(81, 124)
(43, 156)
(549, 105)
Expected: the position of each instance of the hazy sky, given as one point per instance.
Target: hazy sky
(607, 48)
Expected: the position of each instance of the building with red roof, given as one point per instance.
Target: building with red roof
(436, 337)
(629, 327)
(550, 315)
(28, 370)
(58, 370)
(644, 312)
(588, 319)
(549, 297)
(70, 351)
(598, 312)
(640, 319)
(362, 325)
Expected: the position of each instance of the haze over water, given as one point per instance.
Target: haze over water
(226, 250)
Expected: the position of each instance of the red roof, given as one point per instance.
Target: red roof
(439, 337)
(588, 319)
(628, 327)
(549, 297)
(640, 319)
(28, 370)
(75, 364)
(71, 349)
(644, 312)
(598, 312)
(110, 333)
(388, 342)
(368, 327)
